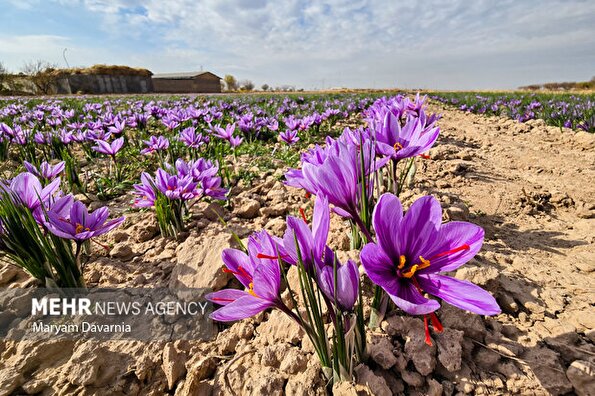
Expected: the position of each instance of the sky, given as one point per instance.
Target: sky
(430, 44)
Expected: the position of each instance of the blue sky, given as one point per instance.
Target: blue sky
(456, 44)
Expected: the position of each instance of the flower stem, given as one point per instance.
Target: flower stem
(362, 227)
(378, 307)
(118, 172)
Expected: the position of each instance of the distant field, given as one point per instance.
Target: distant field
(576, 111)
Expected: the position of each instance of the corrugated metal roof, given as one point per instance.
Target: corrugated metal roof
(182, 76)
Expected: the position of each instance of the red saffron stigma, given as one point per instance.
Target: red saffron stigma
(425, 156)
(455, 250)
(107, 248)
(427, 331)
(266, 256)
(436, 323)
(222, 299)
(241, 271)
(308, 195)
(303, 215)
(416, 284)
(244, 272)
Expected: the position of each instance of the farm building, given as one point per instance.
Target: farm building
(191, 82)
(102, 79)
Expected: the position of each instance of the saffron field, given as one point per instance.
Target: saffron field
(373, 243)
(575, 111)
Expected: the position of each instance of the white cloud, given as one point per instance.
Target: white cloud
(450, 44)
(16, 50)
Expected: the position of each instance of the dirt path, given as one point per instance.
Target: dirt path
(532, 188)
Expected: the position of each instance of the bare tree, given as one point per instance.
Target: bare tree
(246, 85)
(40, 73)
(3, 75)
(265, 87)
(285, 88)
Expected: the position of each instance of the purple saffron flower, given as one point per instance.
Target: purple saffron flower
(117, 128)
(211, 187)
(80, 224)
(107, 148)
(347, 282)
(204, 173)
(170, 124)
(311, 242)
(66, 137)
(28, 188)
(226, 133)
(246, 123)
(272, 124)
(174, 186)
(260, 277)
(41, 138)
(235, 141)
(192, 139)
(145, 192)
(407, 141)
(46, 171)
(295, 177)
(261, 246)
(292, 123)
(336, 173)
(155, 143)
(59, 205)
(289, 136)
(413, 250)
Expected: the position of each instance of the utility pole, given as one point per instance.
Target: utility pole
(64, 56)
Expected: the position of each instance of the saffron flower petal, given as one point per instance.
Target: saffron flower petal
(387, 218)
(241, 308)
(80, 225)
(311, 243)
(347, 283)
(379, 267)
(226, 296)
(321, 222)
(239, 264)
(409, 299)
(462, 238)
(420, 225)
(298, 230)
(460, 293)
(267, 281)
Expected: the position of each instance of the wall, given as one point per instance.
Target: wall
(196, 85)
(103, 84)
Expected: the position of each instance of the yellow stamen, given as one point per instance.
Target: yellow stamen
(251, 289)
(411, 271)
(398, 146)
(402, 260)
(80, 228)
(424, 264)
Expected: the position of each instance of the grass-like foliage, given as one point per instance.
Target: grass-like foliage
(170, 215)
(46, 257)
